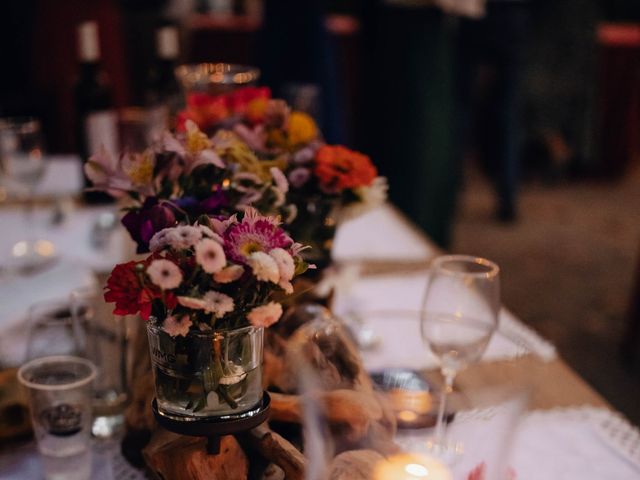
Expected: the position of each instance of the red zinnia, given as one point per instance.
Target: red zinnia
(130, 296)
(124, 289)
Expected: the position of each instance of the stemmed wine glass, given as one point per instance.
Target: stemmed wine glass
(22, 165)
(459, 315)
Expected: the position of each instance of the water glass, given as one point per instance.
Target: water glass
(104, 342)
(22, 165)
(53, 331)
(60, 390)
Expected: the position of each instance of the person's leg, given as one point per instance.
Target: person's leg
(504, 122)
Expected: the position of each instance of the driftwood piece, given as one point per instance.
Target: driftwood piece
(354, 465)
(355, 418)
(279, 451)
(175, 457)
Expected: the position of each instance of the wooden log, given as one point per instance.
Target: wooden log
(175, 457)
(278, 450)
(349, 413)
(354, 465)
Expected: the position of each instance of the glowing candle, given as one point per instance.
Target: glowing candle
(411, 466)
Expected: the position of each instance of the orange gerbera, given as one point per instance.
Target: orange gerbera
(338, 168)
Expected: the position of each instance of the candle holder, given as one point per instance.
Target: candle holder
(214, 427)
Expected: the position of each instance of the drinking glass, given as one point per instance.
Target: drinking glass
(103, 341)
(59, 390)
(52, 330)
(22, 165)
(459, 316)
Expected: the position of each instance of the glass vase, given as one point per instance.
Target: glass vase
(206, 374)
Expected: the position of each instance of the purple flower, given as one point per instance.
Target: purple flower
(144, 222)
(208, 206)
(299, 176)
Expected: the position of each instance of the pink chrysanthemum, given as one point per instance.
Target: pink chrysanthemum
(254, 234)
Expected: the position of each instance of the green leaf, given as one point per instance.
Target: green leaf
(224, 394)
(210, 380)
(202, 402)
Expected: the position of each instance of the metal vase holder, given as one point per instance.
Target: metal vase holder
(213, 428)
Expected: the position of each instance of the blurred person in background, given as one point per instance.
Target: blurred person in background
(296, 59)
(491, 51)
(407, 108)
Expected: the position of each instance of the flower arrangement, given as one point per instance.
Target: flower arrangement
(186, 175)
(207, 291)
(326, 183)
(203, 277)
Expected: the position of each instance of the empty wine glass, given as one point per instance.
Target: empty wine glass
(459, 315)
(22, 166)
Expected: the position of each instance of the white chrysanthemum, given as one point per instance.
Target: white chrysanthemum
(264, 267)
(208, 233)
(175, 327)
(160, 239)
(229, 274)
(265, 315)
(184, 237)
(210, 255)
(164, 274)
(286, 266)
(218, 303)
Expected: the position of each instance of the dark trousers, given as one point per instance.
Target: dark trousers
(494, 122)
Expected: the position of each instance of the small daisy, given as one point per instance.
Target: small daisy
(165, 274)
(228, 274)
(184, 237)
(265, 315)
(210, 255)
(299, 176)
(192, 302)
(264, 267)
(217, 303)
(175, 327)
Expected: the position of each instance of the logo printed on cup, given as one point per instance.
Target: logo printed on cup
(62, 420)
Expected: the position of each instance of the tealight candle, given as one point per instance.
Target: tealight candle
(411, 466)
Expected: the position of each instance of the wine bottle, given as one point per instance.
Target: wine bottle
(162, 85)
(97, 119)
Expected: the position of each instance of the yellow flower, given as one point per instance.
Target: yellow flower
(139, 168)
(301, 129)
(196, 140)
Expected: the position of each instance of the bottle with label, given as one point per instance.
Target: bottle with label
(97, 119)
(162, 86)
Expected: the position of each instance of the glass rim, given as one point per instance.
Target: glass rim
(220, 73)
(207, 333)
(492, 269)
(57, 358)
(23, 124)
